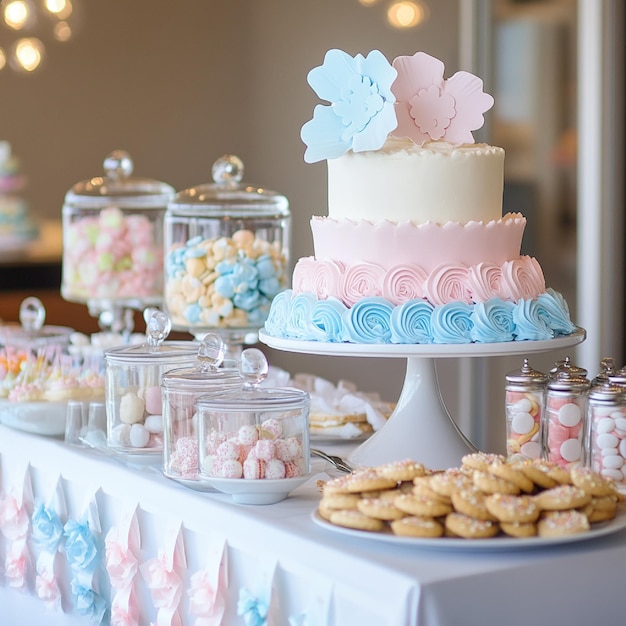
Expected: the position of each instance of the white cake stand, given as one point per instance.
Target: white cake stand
(420, 426)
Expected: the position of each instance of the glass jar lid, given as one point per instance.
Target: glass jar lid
(210, 370)
(119, 187)
(252, 396)
(607, 392)
(569, 381)
(31, 331)
(155, 349)
(526, 375)
(228, 196)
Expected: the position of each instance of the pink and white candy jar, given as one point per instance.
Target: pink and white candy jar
(134, 403)
(226, 255)
(254, 443)
(113, 239)
(181, 387)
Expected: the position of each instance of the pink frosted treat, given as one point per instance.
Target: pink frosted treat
(274, 469)
(213, 440)
(271, 429)
(288, 449)
(292, 469)
(231, 468)
(265, 449)
(228, 450)
(184, 459)
(152, 398)
(253, 468)
(248, 435)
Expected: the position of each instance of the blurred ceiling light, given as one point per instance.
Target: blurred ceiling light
(16, 14)
(407, 13)
(37, 21)
(27, 54)
(367, 3)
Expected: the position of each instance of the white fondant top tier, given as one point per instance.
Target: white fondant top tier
(437, 182)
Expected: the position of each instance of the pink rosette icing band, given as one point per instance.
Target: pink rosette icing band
(484, 281)
(361, 281)
(447, 284)
(402, 283)
(522, 279)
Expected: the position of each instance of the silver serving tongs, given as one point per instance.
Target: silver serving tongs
(335, 461)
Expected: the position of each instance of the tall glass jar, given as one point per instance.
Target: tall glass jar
(181, 388)
(226, 255)
(524, 402)
(606, 427)
(113, 242)
(565, 418)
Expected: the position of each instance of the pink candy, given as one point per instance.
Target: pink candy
(565, 429)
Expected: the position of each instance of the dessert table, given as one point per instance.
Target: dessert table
(273, 564)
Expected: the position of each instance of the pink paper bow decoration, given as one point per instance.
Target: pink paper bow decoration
(16, 566)
(122, 545)
(207, 592)
(429, 108)
(163, 576)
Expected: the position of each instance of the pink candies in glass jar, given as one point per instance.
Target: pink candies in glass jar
(113, 238)
(606, 427)
(181, 388)
(565, 416)
(524, 400)
(256, 434)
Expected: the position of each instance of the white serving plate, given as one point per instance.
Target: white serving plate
(261, 491)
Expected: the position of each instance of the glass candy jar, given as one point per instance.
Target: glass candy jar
(181, 387)
(113, 242)
(524, 401)
(606, 428)
(565, 417)
(134, 404)
(256, 433)
(226, 255)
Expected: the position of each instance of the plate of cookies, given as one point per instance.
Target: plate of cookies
(488, 503)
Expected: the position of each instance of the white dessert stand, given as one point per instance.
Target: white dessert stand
(420, 426)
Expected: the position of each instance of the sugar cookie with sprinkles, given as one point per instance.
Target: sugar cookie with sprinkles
(561, 523)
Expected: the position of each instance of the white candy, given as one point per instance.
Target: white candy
(570, 414)
(570, 450)
(612, 473)
(139, 436)
(120, 435)
(522, 423)
(131, 408)
(154, 424)
(605, 425)
(522, 406)
(613, 462)
(531, 450)
(609, 451)
(622, 447)
(620, 422)
(607, 441)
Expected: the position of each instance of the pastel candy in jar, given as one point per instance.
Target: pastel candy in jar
(257, 433)
(524, 400)
(565, 417)
(607, 430)
(226, 253)
(133, 376)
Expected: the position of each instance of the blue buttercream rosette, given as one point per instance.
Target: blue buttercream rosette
(452, 323)
(369, 320)
(492, 321)
(411, 322)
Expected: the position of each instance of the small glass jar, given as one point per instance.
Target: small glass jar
(524, 402)
(134, 403)
(606, 427)
(256, 433)
(181, 388)
(565, 418)
(113, 240)
(226, 255)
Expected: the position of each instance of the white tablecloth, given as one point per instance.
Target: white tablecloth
(359, 581)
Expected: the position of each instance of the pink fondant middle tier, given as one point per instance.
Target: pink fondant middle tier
(428, 245)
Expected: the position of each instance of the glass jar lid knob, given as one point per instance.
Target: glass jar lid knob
(158, 326)
(118, 164)
(211, 352)
(228, 170)
(253, 368)
(32, 314)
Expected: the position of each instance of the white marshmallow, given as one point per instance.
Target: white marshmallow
(607, 441)
(154, 424)
(139, 436)
(605, 425)
(570, 414)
